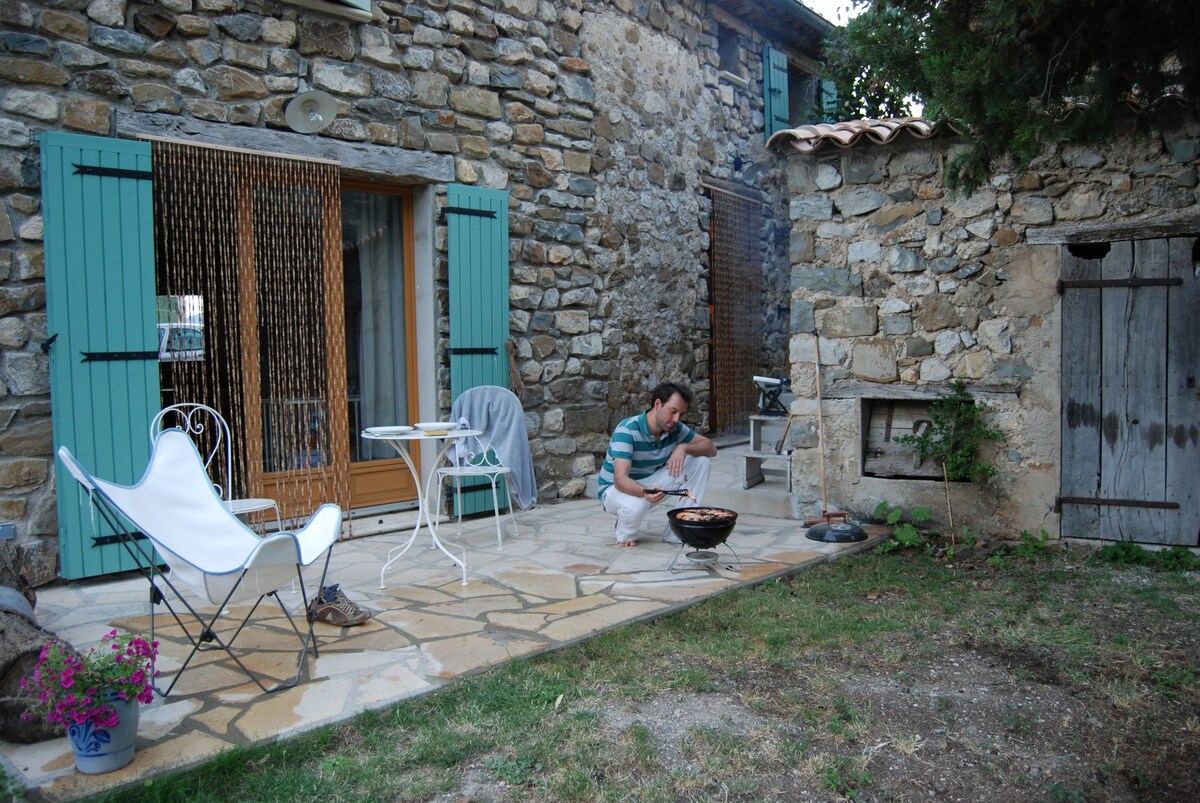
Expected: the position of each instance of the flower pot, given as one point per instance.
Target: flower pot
(99, 750)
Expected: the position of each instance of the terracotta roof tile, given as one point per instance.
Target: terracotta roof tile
(808, 138)
(851, 133)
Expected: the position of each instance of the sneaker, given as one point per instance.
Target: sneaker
(333, 607)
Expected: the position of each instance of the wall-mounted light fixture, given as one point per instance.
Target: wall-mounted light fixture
(310, 111)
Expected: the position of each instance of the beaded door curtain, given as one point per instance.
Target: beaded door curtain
(249, 246)
(736, 296)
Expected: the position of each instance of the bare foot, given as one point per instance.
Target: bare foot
(624, 544)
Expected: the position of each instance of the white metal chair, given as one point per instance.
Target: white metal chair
(157, 520)
(502, 447)
(209, 430)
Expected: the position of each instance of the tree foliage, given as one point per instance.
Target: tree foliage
(1016, 75)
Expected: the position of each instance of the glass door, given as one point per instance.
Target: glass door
(380, 337)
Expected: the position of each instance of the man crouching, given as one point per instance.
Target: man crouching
(649, 454)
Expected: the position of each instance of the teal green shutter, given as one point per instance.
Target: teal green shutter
(99, 240)
(828, 102)
(775, 92)
(477, 224)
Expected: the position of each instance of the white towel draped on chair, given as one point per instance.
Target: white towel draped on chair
(499, 414)
(500, 451)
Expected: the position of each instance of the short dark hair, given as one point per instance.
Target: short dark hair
(666, 390)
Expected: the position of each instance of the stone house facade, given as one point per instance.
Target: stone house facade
(610, 126)
(902, 287)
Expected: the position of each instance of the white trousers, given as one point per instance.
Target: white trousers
(630, 510)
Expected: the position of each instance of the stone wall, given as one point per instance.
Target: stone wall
(904, 287)
(599, 118)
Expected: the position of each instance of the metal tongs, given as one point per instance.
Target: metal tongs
(681, 492)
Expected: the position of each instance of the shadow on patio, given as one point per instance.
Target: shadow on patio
(560, 580)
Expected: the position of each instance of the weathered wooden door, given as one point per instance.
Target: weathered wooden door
(1131, 392)
(381, 335)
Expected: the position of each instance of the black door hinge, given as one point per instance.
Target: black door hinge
(462, 210)
(117, 356)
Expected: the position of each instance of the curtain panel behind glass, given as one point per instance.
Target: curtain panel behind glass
(375, 316)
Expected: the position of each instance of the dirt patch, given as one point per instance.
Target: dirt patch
(972, 710)
(671, 720)
(978, 722)
(960, 718)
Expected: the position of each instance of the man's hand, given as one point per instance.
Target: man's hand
(675, 461)
(653, 495)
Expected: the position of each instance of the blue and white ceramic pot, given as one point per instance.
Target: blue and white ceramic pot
(99, 750)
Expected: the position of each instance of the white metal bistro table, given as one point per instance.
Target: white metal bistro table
(399, 441)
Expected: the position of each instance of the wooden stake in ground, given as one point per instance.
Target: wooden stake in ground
(826, 516)
(949, 509)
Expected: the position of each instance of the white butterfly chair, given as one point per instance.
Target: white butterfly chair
(208, 429)
(502, 447)
(173, 503)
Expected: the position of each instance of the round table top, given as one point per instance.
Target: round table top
(248, 505)
(417, 434)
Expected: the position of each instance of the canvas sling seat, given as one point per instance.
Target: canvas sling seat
(207, 550)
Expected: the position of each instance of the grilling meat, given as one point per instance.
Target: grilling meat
(704, 514)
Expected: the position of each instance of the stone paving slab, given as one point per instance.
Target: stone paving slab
(560, 580)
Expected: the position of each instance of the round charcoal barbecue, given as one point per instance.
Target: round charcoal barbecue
(702, 529)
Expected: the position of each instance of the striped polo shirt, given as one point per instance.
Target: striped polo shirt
(632, 441)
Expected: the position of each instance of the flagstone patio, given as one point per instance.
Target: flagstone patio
(560, 580)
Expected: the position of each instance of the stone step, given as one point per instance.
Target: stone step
(761, 500)
(769, 454)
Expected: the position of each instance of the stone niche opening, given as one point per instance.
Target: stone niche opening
(883, 457)
(890, 410)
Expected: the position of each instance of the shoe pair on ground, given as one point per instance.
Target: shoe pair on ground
(332, 607)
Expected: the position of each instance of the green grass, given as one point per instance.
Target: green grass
(782, 649)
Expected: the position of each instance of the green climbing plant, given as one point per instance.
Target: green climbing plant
(958, 430)
(959, 427)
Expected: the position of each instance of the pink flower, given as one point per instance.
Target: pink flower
(66, 688)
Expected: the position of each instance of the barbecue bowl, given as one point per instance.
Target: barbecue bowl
(702, 534)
